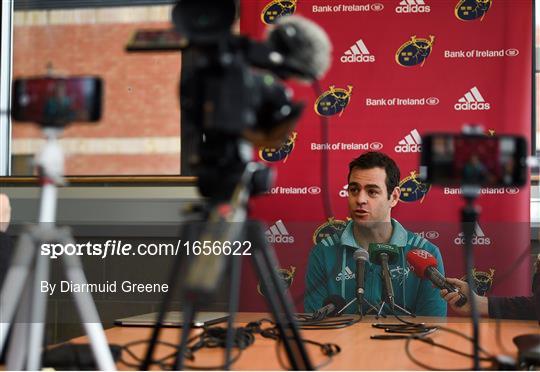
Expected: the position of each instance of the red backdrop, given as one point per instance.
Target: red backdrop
(468, 65)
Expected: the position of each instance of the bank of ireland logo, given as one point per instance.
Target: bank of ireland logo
(415, 51)
(432, 234)
(413, 189)
(483, 280)
(357, 53)
(329, 228)
(412, 142)
(344, 192)
(413, 6)
(512, 190)
(333, 101)
(469, 10)
(276, 9)
(479, 238)
(287, 276)
(472, 101)
(272, 154)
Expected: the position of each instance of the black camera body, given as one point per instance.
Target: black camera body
(223, 95)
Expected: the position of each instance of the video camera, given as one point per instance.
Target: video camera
(231, 97)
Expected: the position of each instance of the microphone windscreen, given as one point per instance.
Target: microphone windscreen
(375, 249)
(361, 254)
(336, 300)
(420, 260)
(303, 43)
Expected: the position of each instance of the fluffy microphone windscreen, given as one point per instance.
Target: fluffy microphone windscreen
(303, 43)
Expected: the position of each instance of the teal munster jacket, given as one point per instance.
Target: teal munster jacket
(331, 270)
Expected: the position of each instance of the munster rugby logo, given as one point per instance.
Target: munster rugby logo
(482, 280)
(276, 9)
(287, 275)
(272, 154)
(415, 51)
(469, 10)
(329, 228)
(333, 101)
(412, 189)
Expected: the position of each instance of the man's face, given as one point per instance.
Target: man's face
(368, 197)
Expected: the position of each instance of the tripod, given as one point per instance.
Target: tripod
(388, 290)
(22, 302)
(469, 218)
(392, 307)
(360, 312)
(227, 222)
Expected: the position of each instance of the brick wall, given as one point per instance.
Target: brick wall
(140, 95)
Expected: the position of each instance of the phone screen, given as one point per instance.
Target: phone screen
(57, 101)
(455, 159)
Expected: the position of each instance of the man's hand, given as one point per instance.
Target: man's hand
(453, 297)
(5, 212)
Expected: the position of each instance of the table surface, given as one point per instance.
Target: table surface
(358, 351)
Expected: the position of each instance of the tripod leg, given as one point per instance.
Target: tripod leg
(17, 351)
(14, 284)
(38, 313)
(265, 262)
(165, 304)
(234, 289)
(380, 310)
(89, 316)
(404, 310)
(189, 315)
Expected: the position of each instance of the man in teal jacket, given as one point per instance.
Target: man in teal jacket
(373, 190)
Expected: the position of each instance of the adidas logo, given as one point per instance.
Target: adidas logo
(413, 6)
(345, 275)
(472, 100)
(411, 143)
(358, 53)
(277, 233)
(479, 238)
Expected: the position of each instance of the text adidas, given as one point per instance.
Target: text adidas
(408, 148)
(413, 9)
(476, 240)
(473, 106)
(360, 58)
(280, 239)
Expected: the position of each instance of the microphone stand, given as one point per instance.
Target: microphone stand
(360, 307)
(388, 289)
(469, 218)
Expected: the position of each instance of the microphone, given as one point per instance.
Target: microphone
(424, 265)
(304, 47)
(361, 256)
(383, 255)
(332, 304)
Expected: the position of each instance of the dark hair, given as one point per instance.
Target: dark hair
(375, 159)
